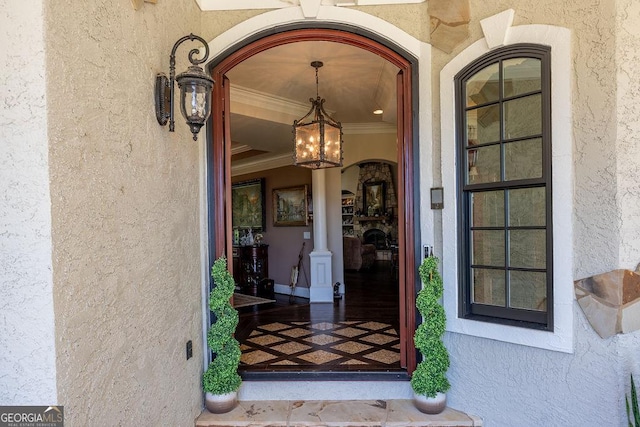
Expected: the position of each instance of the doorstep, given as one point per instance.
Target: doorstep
(333, 413)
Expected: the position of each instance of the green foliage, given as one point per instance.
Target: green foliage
(222, 329)
(221, 376)
(429, 378)
(633, 406)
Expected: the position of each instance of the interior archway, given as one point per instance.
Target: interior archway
(218, 153)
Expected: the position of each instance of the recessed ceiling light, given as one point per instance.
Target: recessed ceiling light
(378, 111)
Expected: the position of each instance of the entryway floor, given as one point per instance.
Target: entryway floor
(324, 413)
(359, 332)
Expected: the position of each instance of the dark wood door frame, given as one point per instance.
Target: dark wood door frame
(218, 154)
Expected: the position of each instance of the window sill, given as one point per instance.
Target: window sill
(553, 341)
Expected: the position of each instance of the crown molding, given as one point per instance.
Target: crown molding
(266, 101)
(368, 128)
(237, 149)
(260, 163)
(273, 107)
(280, 110)
(271, 161)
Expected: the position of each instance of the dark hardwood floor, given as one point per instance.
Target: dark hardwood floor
(356, 333)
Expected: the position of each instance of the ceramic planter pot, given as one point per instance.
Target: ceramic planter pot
(430, 405)
(220, 403)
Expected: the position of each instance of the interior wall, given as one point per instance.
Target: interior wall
(334, 224)
(377, 146)
(349, 180)
(285, 243)
(125, 216)
(27, 359)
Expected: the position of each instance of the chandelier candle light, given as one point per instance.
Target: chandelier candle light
(317, 137)
(195, 90)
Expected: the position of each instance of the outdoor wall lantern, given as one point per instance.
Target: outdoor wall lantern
(195, 90)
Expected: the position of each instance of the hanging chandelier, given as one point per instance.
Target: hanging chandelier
(317, 137)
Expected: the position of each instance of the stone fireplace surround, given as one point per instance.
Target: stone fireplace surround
(374, 172)
(376, 237)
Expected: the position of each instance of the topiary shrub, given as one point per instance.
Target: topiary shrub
(429, 378)
(633, 410)
(221, 377)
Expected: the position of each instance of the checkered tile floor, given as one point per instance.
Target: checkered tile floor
(344, 345)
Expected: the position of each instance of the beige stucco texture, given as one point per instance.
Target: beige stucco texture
(125, 213)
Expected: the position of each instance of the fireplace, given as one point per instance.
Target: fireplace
(376, 237)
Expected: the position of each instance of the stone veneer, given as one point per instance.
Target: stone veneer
(373, 172)
(326, 413)
(449, 23)
(611, 301)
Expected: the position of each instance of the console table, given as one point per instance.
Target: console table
(253, 266)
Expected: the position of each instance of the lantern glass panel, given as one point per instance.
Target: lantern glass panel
(195, 101)
(331, 143)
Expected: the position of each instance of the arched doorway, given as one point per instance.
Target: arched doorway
(219, 140)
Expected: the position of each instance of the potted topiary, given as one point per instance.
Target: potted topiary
(221, 380)
(633, 409)
(429, 381)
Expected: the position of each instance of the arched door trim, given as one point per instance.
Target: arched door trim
(219, 162)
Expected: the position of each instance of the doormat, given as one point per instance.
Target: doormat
(242, 300)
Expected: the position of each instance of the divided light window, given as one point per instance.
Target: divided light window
(504, 191)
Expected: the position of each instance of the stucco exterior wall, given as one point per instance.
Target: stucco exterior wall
(528, 386)
(124, 216)
(628, 126)
(594, 99)
(412, 18)
(214, 23)
(510, 385)
(27, 355)
(125, 212)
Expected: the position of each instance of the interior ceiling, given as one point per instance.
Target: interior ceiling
(272, 89)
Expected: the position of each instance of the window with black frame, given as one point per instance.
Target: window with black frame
(504, 187)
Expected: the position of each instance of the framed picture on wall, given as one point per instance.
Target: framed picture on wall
(373, 198)
(290, 206)
(248, 204)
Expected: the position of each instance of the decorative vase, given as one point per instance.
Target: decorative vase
(430, 405)
(221, 403)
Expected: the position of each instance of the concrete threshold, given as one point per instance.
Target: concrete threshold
(333, 413)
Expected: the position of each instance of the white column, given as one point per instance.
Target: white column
(321, 289)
